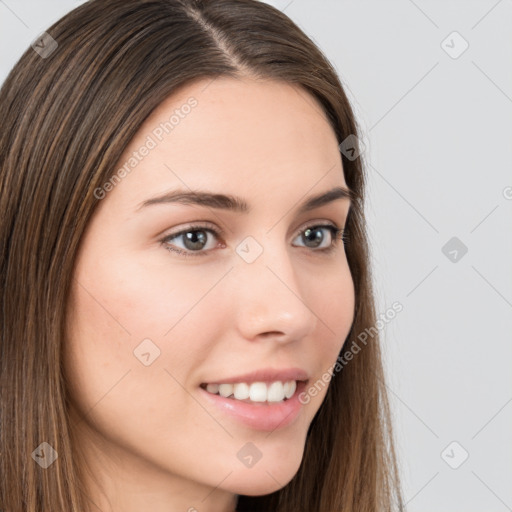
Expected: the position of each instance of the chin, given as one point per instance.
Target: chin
(266, 479)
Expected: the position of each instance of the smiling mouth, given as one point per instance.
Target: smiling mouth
(255, 392)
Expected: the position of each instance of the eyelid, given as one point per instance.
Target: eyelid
(313, 223)
(196, 225)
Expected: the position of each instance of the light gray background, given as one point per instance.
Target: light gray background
(438, 137)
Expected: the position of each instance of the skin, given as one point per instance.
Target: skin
(150, 439)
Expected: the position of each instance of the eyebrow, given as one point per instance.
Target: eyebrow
(237, 204)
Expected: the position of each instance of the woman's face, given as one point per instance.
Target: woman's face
(251, 291)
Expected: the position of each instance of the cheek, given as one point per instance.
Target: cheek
(334, 307)
(124, 314)
(129, 298)
(111, 328)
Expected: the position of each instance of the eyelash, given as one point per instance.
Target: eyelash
(336, 235)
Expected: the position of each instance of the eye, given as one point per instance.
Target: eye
(196, 238)
(314, 237)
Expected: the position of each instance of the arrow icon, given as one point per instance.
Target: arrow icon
(44, 455)
(249, 455)
(454, 455)
(247, 252)
(146, 352)
(454, 249)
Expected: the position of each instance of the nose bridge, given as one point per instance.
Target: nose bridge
(269, 296)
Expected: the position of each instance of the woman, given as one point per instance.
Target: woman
(184, 268)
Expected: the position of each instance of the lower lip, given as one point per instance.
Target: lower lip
(260, 415)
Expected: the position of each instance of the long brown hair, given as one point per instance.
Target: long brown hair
(67, 115)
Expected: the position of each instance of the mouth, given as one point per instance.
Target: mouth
(260, 405)
(273, 392)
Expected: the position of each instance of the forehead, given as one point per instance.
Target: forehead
(235, 135)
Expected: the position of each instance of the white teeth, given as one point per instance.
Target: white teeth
(241, 391)
(275, 392)
(212, 388)
(256, 392)
(225, 390)
(289, 388)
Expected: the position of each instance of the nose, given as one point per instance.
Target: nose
(269, 299)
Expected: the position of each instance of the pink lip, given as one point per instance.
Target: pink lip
(265, 375)
(260, 416)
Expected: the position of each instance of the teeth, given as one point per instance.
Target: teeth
(258, 392)
(289, 388)
(212, 388)
(241, 391)
(255, 392)
(225, 390)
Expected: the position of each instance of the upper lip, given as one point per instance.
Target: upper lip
(265, 375)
